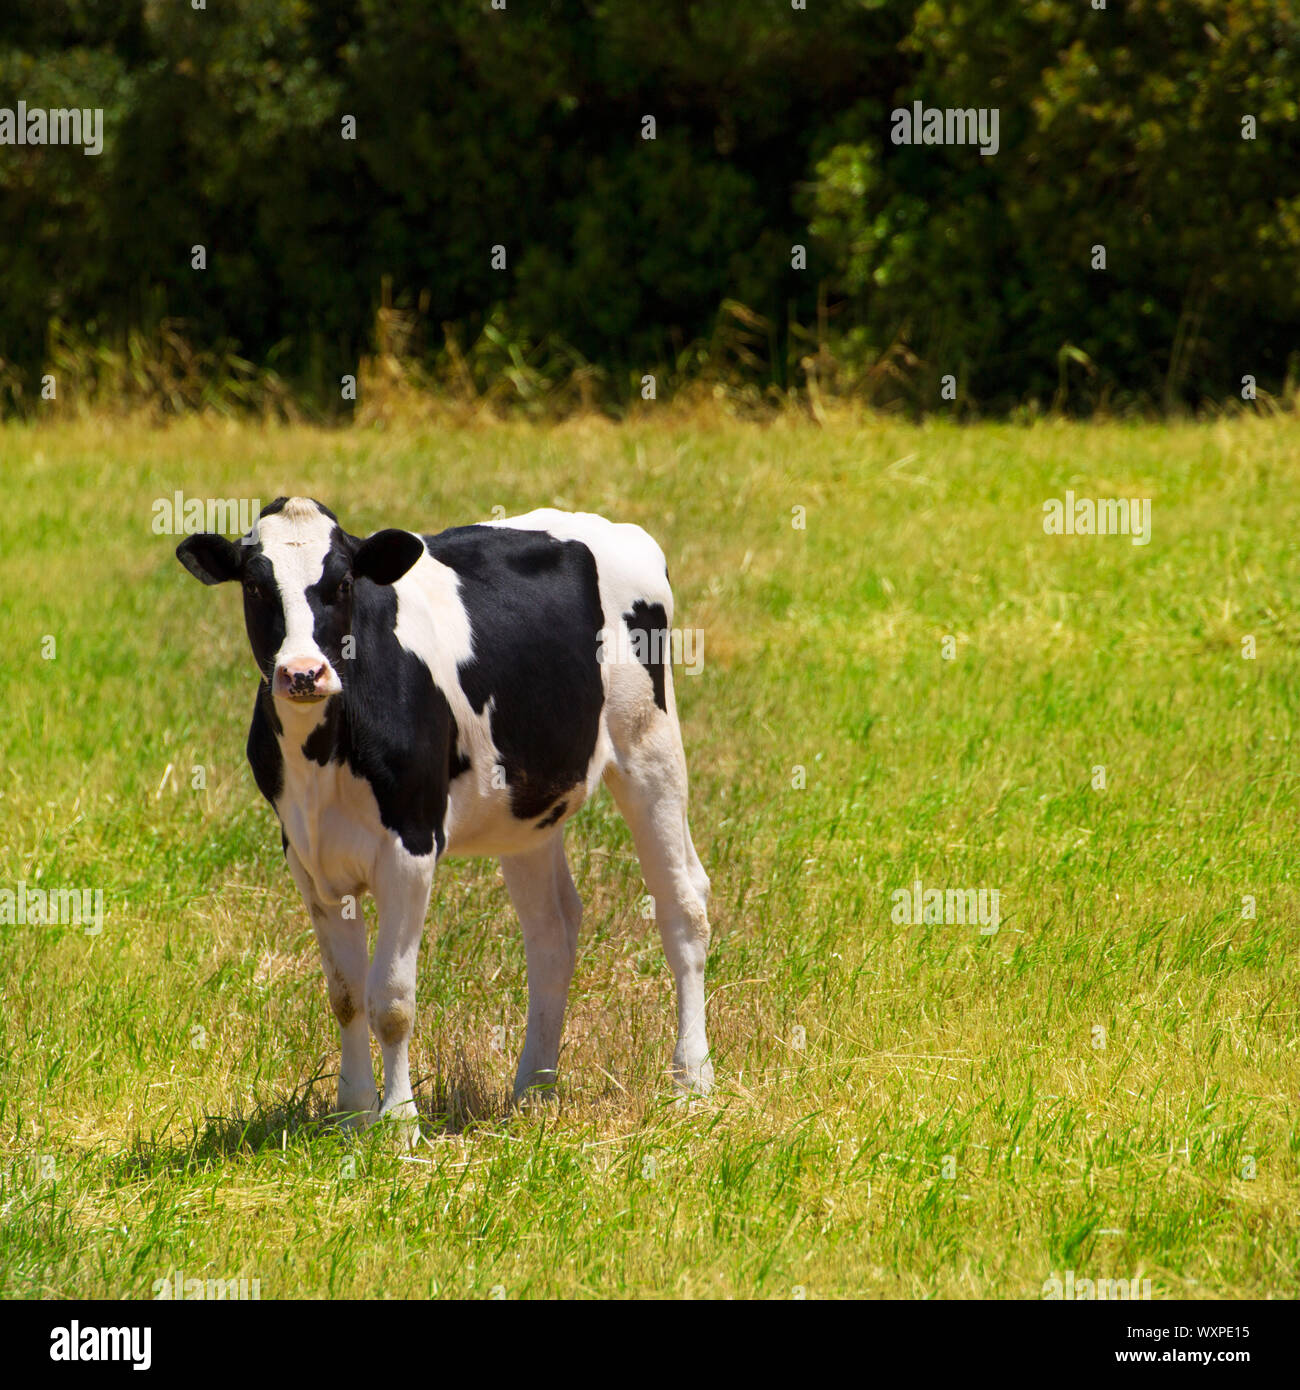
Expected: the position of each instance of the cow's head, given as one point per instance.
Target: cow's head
(297, 569)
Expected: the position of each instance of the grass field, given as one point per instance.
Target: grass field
(1107, 1084)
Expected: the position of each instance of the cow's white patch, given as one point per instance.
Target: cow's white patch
(332, 820)
(296, 540)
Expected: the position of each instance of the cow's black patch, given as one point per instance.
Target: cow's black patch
(552, 816)
(457, 762)
(263, 748)
(263, 614)
(391, 725)
(535, 618)
(648, 624)
(323, 743)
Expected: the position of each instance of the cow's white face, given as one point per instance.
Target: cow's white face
(297, 572)
(305, 572)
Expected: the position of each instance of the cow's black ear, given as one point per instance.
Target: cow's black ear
(386, 556)
(208, 557)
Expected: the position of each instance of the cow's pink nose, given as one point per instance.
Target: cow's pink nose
(302, 679)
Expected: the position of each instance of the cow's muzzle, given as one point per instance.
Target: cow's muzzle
(304, 681)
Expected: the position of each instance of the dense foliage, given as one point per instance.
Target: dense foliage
(523, 128)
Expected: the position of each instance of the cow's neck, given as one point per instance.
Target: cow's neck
(315, 733)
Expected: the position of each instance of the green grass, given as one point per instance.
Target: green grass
(950, 1126)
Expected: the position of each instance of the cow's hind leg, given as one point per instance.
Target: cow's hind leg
(648, 780)
(344, 959)
(550, 913)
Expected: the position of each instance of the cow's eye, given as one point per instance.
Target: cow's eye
(344, 588)
(255, 590)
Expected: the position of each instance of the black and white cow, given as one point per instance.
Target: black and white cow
(462, 693)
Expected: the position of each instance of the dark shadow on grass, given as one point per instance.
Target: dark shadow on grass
(459, 1095)
(307, 1110)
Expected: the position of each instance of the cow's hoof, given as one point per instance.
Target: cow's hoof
(403, 1123)
(357, 1109)
(539, 1090)
(354, 1121)
(695, 1081)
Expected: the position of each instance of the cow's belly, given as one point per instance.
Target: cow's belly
(480, 819)
(333, 821)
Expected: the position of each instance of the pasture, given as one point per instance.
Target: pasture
(1106, 1084)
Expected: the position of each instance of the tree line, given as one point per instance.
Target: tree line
(630, 192)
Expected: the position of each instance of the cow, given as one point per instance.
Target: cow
(462, 693)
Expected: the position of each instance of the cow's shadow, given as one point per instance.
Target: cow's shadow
(454, 1098)
(267, 1124)
(458, 1096)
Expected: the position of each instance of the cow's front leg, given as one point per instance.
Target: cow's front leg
(401, 889)
(342, 942)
